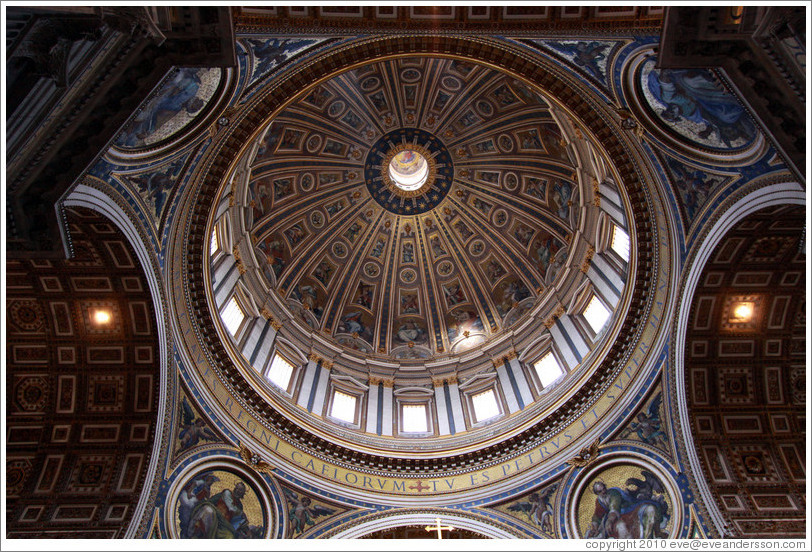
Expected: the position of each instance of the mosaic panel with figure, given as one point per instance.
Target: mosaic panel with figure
(220, 504)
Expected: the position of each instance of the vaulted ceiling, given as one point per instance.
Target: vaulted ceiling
(747, 374)
(82, 395)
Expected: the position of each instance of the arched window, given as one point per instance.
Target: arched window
(485, 406)
(414, 418)
(214, 246)
(548, 369)
(233, 316)
(620, 242)
(343, 407)
(596, 314)
(280, 372)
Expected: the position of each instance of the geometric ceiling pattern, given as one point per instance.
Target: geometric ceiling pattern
(746, 375)
(413, 276)
(82, 395)
(316, 258)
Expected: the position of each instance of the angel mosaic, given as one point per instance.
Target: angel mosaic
(523, 234)
(408, 253)
(155, 188)
(291, 139)
(411, 332)
(489, 177)
(308, 297)
(378, 100)
(274, 251)
(588, 55)
(536, 188)
(441, 101)
(302, 512)
(463, 230)
(505, 96)
(436, 247)
(494, 270)
(409, 303)
(352, 232)
(271, 53)
(562, 192)
(538, 508)
(460, 321)
(513, 292)
(482, 206)
(694, 186)
(353, 323)
(648, 426)
(453, 294)
(295, 234)
(282, 188)
(260, 199)
(545, 249)
(180, 98)
(485, 146)
(363, 295)
(530, 139)
(334, 208)
(468, 119)
(377, 249)
(193, 428)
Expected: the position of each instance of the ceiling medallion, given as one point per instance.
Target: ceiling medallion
(408, 171)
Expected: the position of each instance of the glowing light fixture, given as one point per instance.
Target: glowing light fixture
(742, 312)
(102, 317)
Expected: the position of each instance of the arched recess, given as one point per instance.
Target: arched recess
(786, 193)
(457, 519)
(94, 199)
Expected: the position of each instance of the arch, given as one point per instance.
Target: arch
(428, 517)
(91, 198)
(785, 193)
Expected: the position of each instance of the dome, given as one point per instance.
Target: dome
(425, 219)
(408, 220)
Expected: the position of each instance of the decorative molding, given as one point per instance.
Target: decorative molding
(586, 456)
(590, 252)
(255, 461)
(557, 313)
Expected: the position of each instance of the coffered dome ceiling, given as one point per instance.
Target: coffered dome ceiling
(414, 231)
(416, 207)
(419, 220)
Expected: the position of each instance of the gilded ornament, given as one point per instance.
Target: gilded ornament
(586, 456)
(253, 459)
